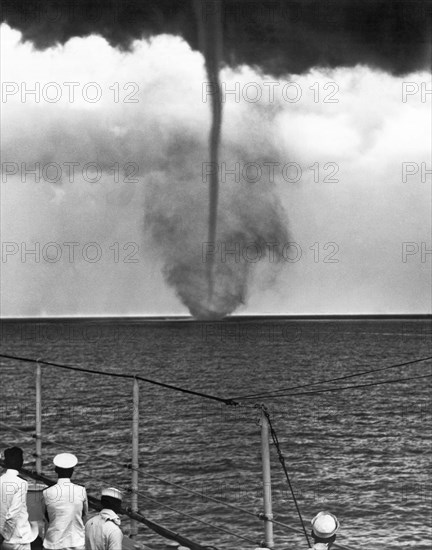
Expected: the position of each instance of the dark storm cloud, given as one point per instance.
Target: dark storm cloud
(280, 37)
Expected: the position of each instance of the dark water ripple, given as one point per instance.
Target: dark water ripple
(364, 454)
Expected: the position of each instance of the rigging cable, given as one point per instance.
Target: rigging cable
(357, 386)
(121, 375)
(282, 461)
(393, 366)
(232, 401)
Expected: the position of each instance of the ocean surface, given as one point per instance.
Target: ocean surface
(363, 454)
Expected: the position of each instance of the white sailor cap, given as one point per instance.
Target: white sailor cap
(112, 492)
(65, 460)
(325, 525)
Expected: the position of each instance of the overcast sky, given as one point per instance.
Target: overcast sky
(355, 200)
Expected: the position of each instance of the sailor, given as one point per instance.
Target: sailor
(65, 505)
(102, 532)
(324, 528)
(16, 532)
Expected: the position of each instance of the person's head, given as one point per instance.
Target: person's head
(64, 472)
(111, 498)
(64, 464)
(324, 528)
(14, 458)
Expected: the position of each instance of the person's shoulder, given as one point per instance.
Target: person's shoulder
(46, 492)
(92, 519)
(111, 526)
(80, 489)
(50, 490)
(23, 482)
(17, 480)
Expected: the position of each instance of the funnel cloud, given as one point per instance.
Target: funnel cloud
(251, 226)
(211, 45)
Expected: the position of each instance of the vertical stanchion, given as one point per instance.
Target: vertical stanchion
(38, 435)
(135, 453)
(267, 493)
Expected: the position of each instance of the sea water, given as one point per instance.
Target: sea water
(361, 453)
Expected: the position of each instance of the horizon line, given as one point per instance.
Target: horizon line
(224, 319)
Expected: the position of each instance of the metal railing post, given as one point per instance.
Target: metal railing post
(267, 492)
(135, 455)
(38, 435)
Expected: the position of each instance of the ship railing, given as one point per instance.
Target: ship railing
(133, 512)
